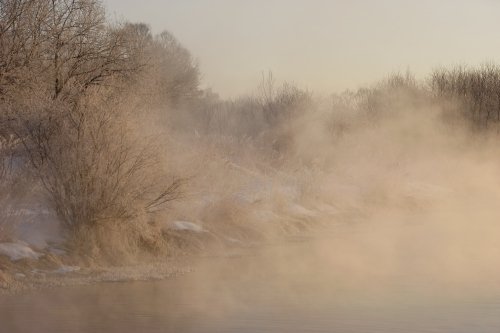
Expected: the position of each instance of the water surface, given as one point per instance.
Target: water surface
(289, 288)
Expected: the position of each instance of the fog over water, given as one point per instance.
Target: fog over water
(417, 251)
(302, 293)
(278, 150)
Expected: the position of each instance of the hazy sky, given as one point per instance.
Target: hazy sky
(318, 44)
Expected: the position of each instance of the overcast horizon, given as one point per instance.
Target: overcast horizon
(325, 46)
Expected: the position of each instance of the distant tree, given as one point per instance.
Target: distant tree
(279, 103)
(475, 90)
(178, 74)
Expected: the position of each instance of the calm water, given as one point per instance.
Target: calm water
(283, 289)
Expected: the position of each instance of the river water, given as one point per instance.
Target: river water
(298, 287)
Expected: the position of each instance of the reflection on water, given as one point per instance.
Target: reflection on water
(277, 290)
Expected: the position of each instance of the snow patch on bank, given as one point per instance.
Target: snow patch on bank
(183, 226)
(18, 251)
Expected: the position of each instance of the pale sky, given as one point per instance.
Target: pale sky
(325, 46)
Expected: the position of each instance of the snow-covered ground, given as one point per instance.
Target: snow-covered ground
(17, 251)
(183, 226)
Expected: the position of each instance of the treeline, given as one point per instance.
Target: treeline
(471, 94)
(272, 117)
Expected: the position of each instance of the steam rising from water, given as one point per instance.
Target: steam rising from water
(410, 243)
(416, 208)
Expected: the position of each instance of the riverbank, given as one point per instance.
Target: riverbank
(51, 270)
(26, 275)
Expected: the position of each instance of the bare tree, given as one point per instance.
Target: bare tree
(65, 42)
(279, 103)
(82, 50)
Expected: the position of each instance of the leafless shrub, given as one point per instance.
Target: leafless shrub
(394, 93)
(241, 118)
(280, 103)
(470, 92)
(90, 166)
(342, 111)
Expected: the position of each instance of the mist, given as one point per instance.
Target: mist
(364, 201)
